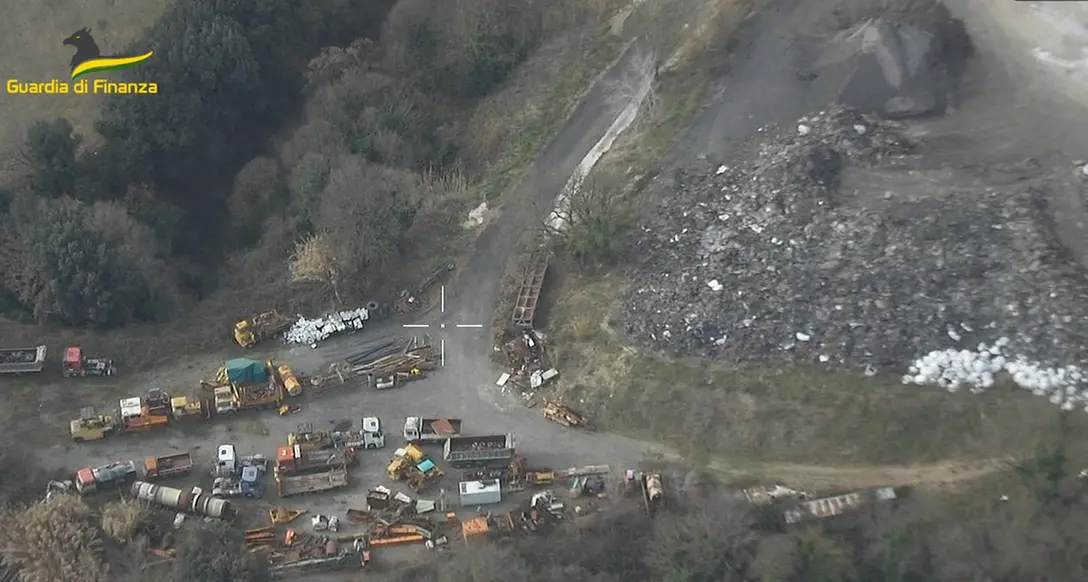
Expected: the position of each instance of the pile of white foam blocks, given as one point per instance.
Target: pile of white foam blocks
(314, 331)
(955, 370)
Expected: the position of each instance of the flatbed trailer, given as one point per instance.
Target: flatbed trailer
(22, 360)
(289, 485)
(529, 288)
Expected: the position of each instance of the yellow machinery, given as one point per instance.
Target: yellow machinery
(91, 426)
(183, 407)
(253, 330)
(413, 466)
(565, 415)
(282, 515)
(287, 378)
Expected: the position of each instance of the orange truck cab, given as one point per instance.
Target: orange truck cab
(75, 364)
(136, 417)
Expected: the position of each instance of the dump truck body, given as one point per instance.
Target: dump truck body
(463, 452)
(167, 465)
(22, 360)
(430, 430)
(291, 460)
(289, 485)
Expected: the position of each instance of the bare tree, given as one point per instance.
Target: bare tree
(314, 261)
(713, 542)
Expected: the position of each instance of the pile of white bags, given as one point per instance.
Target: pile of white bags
(313, 331)
(955, 370)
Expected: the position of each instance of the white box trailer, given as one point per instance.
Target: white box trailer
(484, 492)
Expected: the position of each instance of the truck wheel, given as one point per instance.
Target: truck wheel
(78, 439)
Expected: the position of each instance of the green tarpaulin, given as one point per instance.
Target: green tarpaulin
(244, 370)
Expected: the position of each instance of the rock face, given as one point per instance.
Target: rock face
(769, 260)
(905, 69)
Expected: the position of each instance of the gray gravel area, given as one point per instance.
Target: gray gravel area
(771, 259)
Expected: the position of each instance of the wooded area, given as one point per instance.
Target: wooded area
(269, 121)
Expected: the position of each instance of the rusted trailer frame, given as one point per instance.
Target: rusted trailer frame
(532, 282)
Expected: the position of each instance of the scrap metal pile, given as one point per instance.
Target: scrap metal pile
(383, 365)
(402, 358)
(313, 331)
(528, 363)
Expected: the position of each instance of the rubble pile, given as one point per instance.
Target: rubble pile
(768, 260)
(313, 331)
(528, 363)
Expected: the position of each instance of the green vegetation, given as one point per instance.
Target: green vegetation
(263, 143)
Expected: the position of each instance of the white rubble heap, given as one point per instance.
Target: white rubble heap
(955, 370)
(313, 331)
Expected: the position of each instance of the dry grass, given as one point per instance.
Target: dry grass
(798, 414)
(122, 519)
(509, 129)
(54, 540)
(30, 42)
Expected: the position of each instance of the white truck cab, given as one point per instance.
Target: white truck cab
(373, 437)
(226, 460)
(224, 400)
(412, 427)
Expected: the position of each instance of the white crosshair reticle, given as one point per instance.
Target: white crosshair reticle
(442, 342)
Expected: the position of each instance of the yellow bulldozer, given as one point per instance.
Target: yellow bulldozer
(560, 413)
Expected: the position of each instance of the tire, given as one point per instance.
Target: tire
(79, 439)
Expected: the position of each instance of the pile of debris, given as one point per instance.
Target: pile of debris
(313, 331)
(527, 361)
(396, 361)
(770, 260)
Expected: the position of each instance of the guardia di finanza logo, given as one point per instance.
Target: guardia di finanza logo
(88, 59)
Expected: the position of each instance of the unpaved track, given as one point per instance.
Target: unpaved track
(764, 87)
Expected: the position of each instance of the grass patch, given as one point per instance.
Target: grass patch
(559, 100)
(800, 414)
